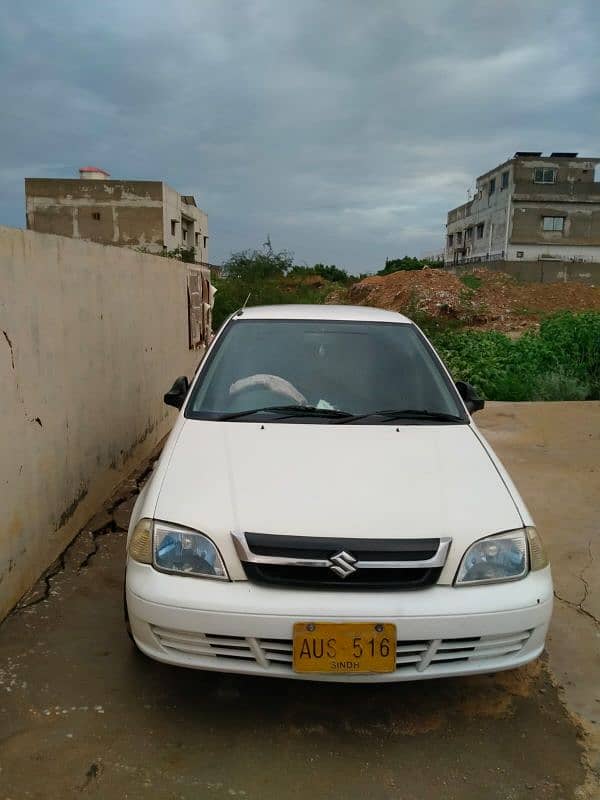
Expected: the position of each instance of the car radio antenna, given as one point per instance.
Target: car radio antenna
(246, 300)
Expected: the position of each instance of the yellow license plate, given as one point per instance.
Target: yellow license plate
(344, 647)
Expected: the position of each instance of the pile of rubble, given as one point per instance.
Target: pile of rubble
(479, 299)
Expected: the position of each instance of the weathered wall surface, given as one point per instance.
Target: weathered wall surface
(174, 211)
(127, 213)
(562, 254)
(581, 225)
(580, 170)
(145, 214)
(541, 271)
(91, 336)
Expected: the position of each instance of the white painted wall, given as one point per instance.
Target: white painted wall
(91, 336)
(533, 252)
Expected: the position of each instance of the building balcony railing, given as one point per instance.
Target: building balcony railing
(484, 257)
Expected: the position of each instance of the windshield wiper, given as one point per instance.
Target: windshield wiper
(391, 414)
(289, 411)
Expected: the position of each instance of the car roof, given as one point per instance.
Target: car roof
(324, 312)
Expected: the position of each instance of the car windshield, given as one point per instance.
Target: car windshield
(323, 372)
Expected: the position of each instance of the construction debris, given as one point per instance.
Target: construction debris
(479, 299)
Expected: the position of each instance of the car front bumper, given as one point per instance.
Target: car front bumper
(245, 628)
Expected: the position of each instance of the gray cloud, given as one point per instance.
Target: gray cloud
(343, 129)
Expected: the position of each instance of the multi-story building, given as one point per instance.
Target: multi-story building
(531, 207)
(141, 214)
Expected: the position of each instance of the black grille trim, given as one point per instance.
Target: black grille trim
(265, 544)
(320, 578)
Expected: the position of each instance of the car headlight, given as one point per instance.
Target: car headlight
(503, 557)
(172, 548)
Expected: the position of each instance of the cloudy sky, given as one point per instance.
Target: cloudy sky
(343, 129)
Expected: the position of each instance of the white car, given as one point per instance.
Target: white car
(326, 509)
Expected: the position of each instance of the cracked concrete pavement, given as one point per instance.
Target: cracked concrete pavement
(113, 518)
(81, 714)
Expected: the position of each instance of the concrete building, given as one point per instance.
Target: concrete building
(530, 208)
(146, 214)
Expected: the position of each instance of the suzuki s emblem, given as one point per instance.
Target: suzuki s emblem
(343, 564)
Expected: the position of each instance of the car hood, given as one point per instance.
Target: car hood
(383, 481)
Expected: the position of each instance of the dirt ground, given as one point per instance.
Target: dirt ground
(82, 715)
(553, 453)
(480, 299)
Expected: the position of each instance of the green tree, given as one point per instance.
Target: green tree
(266, 277)
(253, 277)
(405, 263)
(257, 265)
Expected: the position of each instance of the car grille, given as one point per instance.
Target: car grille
(419, 655)
(340, 563)
(365, 579)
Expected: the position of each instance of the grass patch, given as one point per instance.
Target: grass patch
(529, 313)
(471, 281)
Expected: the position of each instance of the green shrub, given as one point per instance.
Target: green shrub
(327, 271)
(484, 359)
(558, 386)
(560, 362)
(405, 263)
(574, 340)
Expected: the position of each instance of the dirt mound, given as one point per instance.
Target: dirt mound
(479, 299)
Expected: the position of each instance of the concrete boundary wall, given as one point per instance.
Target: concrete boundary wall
(91, 336)
(539, 271)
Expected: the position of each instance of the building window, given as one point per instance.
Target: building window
(458, 237)
(554, 223)
(205, 241)
(173, 227)
(480, 230)
(450, 239)
(95, 215)
(184, 234)
(197, 239)
(520, 253)
(505, 180)
(469, 234)
(544, 175)
(492, 185)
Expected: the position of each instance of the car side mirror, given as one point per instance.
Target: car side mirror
(177, 393)
(471, 399)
